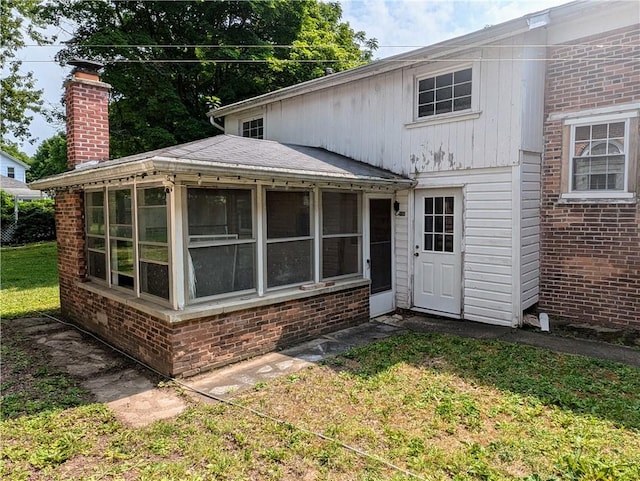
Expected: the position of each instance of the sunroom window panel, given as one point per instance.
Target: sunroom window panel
(340, 256)
(289, 262)
(221, 269)
(341, 239)
(153, 246)
(96, 235)
(221, 243)
(290, 243)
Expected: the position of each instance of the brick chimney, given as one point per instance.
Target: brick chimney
(87, 100)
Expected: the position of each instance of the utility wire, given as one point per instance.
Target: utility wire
(253, 411)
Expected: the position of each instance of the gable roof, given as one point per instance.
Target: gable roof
(18, 189)
(229, 155)
(12, 158)
(430, 53)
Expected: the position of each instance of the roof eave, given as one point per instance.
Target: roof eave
(174, 166)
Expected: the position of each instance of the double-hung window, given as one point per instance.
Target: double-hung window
(601, 156)
(445, 93)
(290, 243)
(341, 234)
(11, 172)
(221, 242)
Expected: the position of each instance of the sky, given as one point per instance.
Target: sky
(398, 25)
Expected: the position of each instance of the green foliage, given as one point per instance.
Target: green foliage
(170, 62)
(28, 280)
(19, 19)
(36, 219)
(50, 158)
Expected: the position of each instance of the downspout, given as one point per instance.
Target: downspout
(216, 124)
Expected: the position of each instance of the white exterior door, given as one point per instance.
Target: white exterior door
(379, 254)
(437, 251)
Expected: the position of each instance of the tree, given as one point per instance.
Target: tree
(13, 150)
(168, 61)
(49, 159)
(18, 95)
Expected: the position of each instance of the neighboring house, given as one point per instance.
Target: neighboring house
(19, 190)
(413, 182)
(12, 168)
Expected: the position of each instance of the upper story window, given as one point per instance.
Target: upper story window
(11, 172)
(253, 128)
(446, 93)
(601, 157)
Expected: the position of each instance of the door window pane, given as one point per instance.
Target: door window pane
(380, 244)
(438, 224)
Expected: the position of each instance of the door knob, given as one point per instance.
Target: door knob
(416, 254)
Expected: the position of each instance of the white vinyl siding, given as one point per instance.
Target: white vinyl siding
(402, 243)
(530, 229)
(487, 273)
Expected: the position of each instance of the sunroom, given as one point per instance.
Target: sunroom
(208, 252)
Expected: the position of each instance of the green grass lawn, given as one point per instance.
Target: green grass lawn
(28, 280)
(440, 407)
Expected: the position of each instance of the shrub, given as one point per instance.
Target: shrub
(36, 220)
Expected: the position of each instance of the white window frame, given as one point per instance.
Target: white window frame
(313, 237)
(358, 235)
(472, 112)
(570, 124)
(244, 121)
(223, 240)
(104, 237)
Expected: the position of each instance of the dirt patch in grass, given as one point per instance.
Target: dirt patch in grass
(30, 384)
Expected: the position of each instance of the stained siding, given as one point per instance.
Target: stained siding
(372, 119)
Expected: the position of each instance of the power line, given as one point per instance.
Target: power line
(570, 45)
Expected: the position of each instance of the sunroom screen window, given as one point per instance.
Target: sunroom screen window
(121, 238)
(341, 238)
(153, 245)
(289, 239)
(96, 235)
(221, 241)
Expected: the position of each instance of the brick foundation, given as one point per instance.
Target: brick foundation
(189, 347)
(590, 258)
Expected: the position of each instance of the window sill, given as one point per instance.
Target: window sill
(575, 198)
(223, 306)
(443, 119)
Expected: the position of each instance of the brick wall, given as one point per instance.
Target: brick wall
(590, 259)
(190, 347)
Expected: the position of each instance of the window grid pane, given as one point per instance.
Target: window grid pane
(438, 226)
(446, 93)
(96, 235)
(253, 128)
(598, 157)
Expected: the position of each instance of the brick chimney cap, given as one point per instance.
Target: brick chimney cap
(84, 65)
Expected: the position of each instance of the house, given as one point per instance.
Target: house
(12, 168)
(590, 229)
(413, 182)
